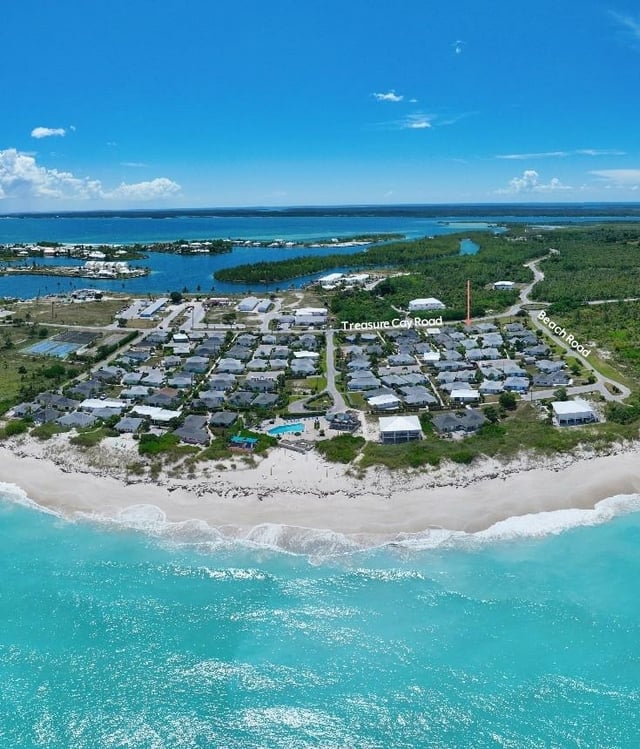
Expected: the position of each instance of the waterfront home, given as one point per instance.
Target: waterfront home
(343, 421)
(448, 423)
(78, 419)
(399, 429)
(573, 412)
(129, 425)
(193, 430)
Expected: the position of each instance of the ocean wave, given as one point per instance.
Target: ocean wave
(319, 545)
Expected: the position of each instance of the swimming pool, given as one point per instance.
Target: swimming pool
(286, 428)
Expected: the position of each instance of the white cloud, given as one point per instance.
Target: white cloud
(525, 156)
(389, 96)
(21, 177)
(529, 182)
(133, 164)
(458, 46)
(161, 187)
(47, 132)
(559, 154)
(619, 177)
(628, 24)
(416, 122)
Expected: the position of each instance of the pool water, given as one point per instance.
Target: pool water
(286, 428)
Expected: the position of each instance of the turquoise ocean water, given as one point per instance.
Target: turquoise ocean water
(112, 637)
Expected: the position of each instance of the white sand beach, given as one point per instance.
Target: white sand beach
(304, 491)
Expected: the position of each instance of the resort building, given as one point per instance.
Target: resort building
(397, 429)
(573, 412)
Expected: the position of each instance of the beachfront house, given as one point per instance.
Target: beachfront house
(397, 429)
(467, 422)
(573, 412)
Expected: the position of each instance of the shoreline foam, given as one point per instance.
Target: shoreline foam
(267, 507)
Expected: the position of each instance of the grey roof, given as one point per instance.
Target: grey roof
(241, 398)
(132, 378)
(469, 421)
(221, 381)
(46, 415)
(546, 365)
(196, 364)
(264, 400)
(303, 366)
(223, 419)
(256, 365)
(129, 424)
(552, 379)
(239, 352)
(396, 360)
(77, 419)
(180, 380)
(230, 365)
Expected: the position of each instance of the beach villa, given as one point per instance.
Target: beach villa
(573, 412)
(397, 429)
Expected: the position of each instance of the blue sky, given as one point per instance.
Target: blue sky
(245, 103)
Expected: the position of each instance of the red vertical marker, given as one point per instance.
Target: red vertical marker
(468, 302)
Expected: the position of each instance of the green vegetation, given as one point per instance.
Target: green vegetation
(598, 262)
(47, 431)
(93, 314)
(153, 444)
(392, 254)
(616, 328)
(341, 449)
(15, 427)
(92, 436)
(523, 430)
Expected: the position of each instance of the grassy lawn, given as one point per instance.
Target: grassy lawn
(94, 314)
(22, 375)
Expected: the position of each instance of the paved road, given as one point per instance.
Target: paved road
(338, 401)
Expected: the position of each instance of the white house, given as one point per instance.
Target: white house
(430, 356)
(503, 285)
(428, 303)
(464, 395)
(385, 402)
(570, 413)
(396, 429)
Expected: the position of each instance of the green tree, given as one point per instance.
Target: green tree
(508, 401)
